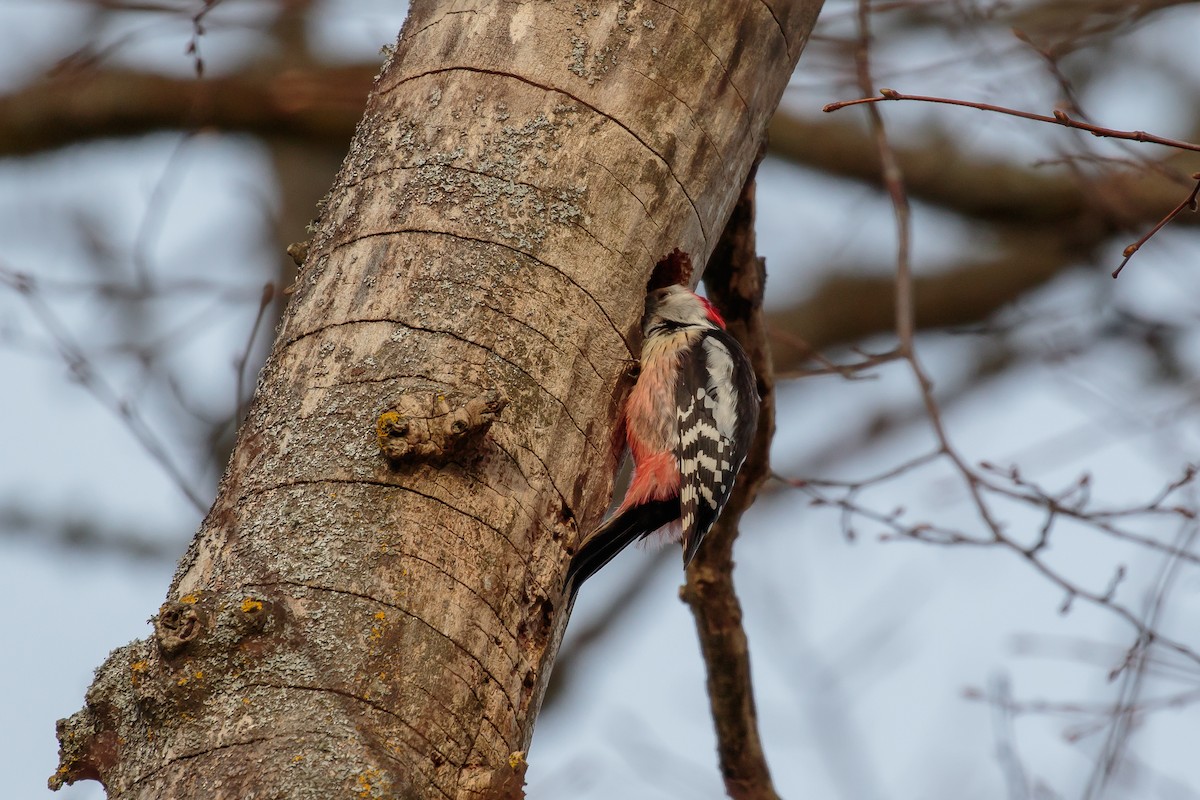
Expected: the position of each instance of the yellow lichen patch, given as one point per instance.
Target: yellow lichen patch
(199, 676)
(517, 759)
(377, 630)
(250, 604)
(183, 681)
(364, 780)
(385, 425)
(189, 599)
(139, 666)
(297, 757)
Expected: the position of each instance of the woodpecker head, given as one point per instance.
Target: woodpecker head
(673, 308)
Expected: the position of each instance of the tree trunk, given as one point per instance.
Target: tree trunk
(372, 606)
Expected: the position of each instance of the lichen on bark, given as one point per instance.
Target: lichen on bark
(356, 629)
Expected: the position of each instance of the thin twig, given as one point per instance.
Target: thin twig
(1060, 117)
(1070, 503)
(899, 529)
(268, 294)
(81, 369)
(905, 319)
(1188, 204)
(852, 371)
(1133, 670)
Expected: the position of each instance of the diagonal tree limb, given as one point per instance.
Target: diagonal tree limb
(856, 301)
(734, 280)
(942, 173)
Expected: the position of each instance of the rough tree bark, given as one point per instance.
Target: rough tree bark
(372, 604)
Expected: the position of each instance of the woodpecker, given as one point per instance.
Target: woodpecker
(688, 422)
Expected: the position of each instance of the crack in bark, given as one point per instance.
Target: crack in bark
(549, 477)
(708, 47)
(691, 115)
(499, 618)
(475, 546)
(549, 192)
(173, 760)
(370, 704)
(487, 349)
(440, 20)
(510, 248)
(549, 340)
(457, 646)
(523, 553)
(492, 637)
(459, 338)
(786, 44)
(543, 191)
(323, 387)
(259, 491)
(585, 104)
(462, 767)
(450, 735)
(453, 335)
(529, 513)
(632, 194)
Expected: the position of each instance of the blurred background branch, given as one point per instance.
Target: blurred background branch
(151, 207)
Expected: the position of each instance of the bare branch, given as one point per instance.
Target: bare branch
(735, 279)
(1188, 204)
(81, 369)
(1060, 117)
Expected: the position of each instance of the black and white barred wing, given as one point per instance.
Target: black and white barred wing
(717, 401)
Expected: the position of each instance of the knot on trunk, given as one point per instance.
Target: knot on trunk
(178, 623)
(435, 426)
(205, 645)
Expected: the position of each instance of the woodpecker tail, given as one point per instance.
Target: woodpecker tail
(614, 535)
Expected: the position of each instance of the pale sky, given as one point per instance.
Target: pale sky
(863, 651)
